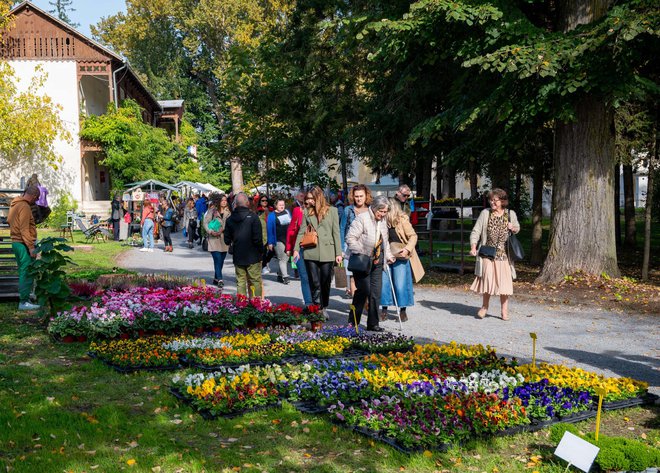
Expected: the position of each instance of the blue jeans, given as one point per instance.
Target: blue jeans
(218, 263)
(403, 285)
(304, 280)
(148, 233)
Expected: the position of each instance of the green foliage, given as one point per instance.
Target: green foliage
(616, 453)
(57, 217)
(51, 288)
(134, 150)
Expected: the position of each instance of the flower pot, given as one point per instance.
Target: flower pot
(199, 330)
(260, 326)
(82, 338)
(68, 339)
(141, 333)
(124, 336)
(216, 329)
(316, 326)
(160, 332)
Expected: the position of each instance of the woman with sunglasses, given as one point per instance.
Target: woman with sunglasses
(263, 210)
(323, 219)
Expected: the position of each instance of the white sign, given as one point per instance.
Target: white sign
(577, 452)
(138, 195)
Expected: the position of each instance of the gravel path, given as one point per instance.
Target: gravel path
(602, 341)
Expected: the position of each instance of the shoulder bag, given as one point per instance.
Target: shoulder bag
(311, 238)
(486, 251)
(358, 263)
(516, 252)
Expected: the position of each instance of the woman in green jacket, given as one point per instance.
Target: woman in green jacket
(320, 260)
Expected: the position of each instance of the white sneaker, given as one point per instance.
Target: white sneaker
(265, 270)
(28, 306)
(325, 314)
(144, 249)
(150, 250)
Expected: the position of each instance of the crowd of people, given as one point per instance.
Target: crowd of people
(315, 238)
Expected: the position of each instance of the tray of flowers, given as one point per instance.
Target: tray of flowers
(324, 348)
(127, 356)
(383, 342)
(227, 393)
(645, 399)
(618, 389)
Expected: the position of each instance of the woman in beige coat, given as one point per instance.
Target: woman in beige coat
(368, 236)
(407, 267)
(494, 276)
(218, 211)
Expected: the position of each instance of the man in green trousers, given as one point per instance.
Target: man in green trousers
(23, 232)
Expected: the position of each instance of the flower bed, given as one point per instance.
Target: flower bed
(131, 355)
(227, 392)
(383, 342)
(173, 310)
(581, 380)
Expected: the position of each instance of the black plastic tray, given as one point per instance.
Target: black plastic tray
(578, 417)
(646, 399)
(134, 369)
(309, 407)
(208, 415)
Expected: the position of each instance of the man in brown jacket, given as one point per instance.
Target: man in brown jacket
(23, 232)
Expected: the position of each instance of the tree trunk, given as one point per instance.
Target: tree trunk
(344, 170)
(423, 177)
(474, 185)
(629, 206)
(516, 196)
(236, 175)
(448, 181)
(617, 206)
(536, 255)
(438, 177)
(582, 233)
(650, 182)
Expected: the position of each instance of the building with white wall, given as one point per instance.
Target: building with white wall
(83, 77)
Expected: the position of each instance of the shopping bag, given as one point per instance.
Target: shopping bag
(340, 277)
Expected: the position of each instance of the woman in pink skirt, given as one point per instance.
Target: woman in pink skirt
(495, 274)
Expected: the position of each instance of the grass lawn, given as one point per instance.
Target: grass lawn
(91, 259)
(62, 412)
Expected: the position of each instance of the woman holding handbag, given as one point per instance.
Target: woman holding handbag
(360, 199)
(488, 242)
(407, 267)
(368, 241)
(319, 237)
(214, 224)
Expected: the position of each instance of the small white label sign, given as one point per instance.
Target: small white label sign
(579, 453)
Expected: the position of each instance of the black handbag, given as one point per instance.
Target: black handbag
(515, 248)
(487, 252)
(358, 263)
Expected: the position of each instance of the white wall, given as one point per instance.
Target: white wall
(61, 86)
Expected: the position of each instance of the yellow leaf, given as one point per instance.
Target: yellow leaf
(131, 462)
(428, 454)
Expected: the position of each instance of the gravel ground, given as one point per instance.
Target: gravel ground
(606, 342)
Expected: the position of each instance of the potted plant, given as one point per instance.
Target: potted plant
(67, 328)
(314, 315)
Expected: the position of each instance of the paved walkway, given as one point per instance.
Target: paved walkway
(606, 342)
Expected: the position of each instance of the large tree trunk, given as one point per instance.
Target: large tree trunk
(236, 175)
(650, 182)
(474, 177)
(617, 206)
(582, 233)
(516, 195)
(536, 255)
(500, 175)
(423, 177)
(629, 206)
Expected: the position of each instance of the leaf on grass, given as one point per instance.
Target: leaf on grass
(428, 454)
(306, 430)
(176, 421)
(130, 462)
(276, 421)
